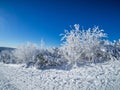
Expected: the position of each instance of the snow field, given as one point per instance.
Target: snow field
(102, 76)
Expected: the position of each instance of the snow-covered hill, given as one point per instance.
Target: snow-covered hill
(103, 76)
(6, 48)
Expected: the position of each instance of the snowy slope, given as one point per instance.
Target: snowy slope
(104, 76)
(6, 48)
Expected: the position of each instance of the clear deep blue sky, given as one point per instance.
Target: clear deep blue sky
(30, 20)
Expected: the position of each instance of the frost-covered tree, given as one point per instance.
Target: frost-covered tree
(80, 44)
(26, 53)
(71, 48)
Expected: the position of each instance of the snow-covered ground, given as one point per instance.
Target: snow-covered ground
(103, 76)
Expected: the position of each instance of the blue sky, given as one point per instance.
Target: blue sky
(24, 21)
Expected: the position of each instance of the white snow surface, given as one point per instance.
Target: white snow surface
(102, 76)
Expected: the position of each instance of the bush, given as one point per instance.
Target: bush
(53, 57)
(26, 54)
(41, 62)
(6, 56)
(49, 57)
(82, 44)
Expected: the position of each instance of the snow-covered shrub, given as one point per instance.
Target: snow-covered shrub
(103, 51)
(49, 57)
(41, 62)
(6, 56)
(110, 51)
(81, 44)
(70, 49)
(26, 53)
(117, 49)
(53, 57)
